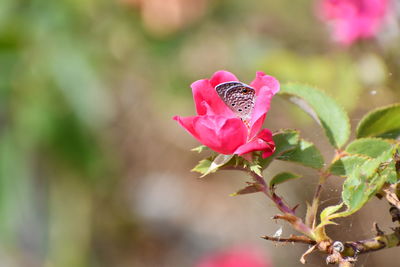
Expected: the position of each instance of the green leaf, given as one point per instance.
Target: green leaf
(390, 173)
(202, 166)
(219, 161)
(326, 217)
(344, 166)
(211, 164)
(305, 153)
(200, 148)
(251, 188)
(365, 181)
(283, 177)
(285, 140)
(255, 167)
(322, 108)
(383, 122)
(290, 147)
(328, 214)
(371, 147)
(328, 211)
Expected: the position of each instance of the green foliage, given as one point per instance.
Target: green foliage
(366, 163)
(371, 147)
(254, 166)
(360, 151)
(285, 140)
(289, 147)
(334, 73)
(321, 108)
(305, 153)
(283, 177)
(251, 188)
(200, 148)
(368, 167)
(328, 214)
(366, 180)
(211, 164)
(389, 170)
(382, 122)
(204, 166)
(345, 165)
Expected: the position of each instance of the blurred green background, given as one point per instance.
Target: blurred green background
(94, 172)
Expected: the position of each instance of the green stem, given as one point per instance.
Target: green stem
(373, 244)
(311, 217)
(289, 214)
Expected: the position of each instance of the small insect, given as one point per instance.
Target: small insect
(239, 97)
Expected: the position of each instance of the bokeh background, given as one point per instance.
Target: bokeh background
(94, 171)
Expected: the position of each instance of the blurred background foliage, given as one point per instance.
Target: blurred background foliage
(93, 171)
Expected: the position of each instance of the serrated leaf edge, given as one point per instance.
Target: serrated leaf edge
(349, 155)
(295, 162)
(366, 116)
(295, 176)
(347, 119)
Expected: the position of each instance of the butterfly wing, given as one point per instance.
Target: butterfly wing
(239, 97)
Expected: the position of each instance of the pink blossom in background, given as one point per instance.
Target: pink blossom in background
(219, 128)
(352, 20)
(236, 257)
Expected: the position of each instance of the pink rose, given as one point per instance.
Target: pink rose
(353, 19)
(236, 257)
(219, 128)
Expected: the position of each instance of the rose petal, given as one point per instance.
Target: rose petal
(203, 93)
(263, 142)
(243, 256)
(260, 110)
(219, 133)
(187, 124)
(263, 80)
(221, 77)
(266, 135)
(219, 128)
(354, 19)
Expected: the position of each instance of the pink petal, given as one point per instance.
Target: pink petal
(221, 134)
(260, 110)
(263, 80)
(221, 77)
(244, 256)
(263, 142)
(187, 124)
(353, 19)
(207, 100)
(266, 135)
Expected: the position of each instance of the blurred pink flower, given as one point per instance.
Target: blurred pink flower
(352, 20)
(219, 128)
(236, 257)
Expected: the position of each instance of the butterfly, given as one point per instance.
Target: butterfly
(239, 97)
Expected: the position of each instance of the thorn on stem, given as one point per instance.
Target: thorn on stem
(295, 207)
(379, 232)
(395, 212)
